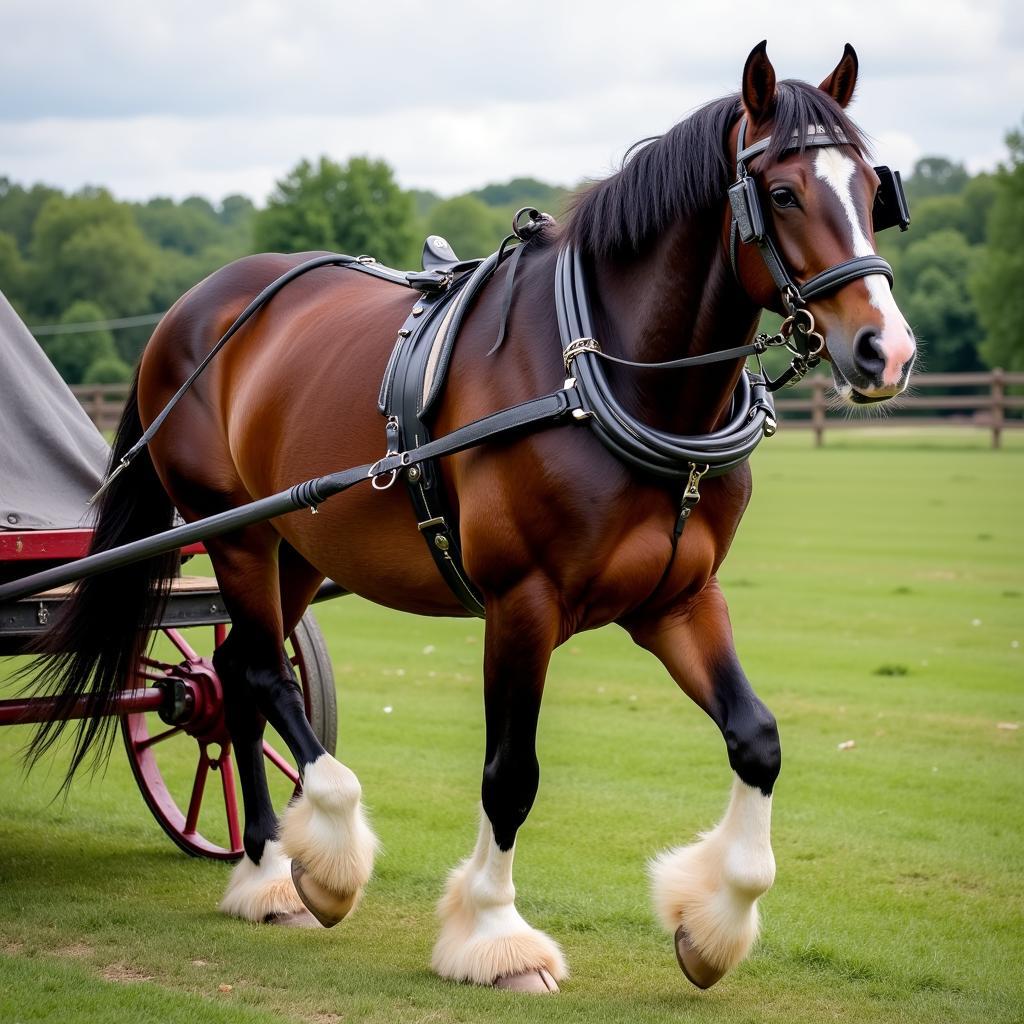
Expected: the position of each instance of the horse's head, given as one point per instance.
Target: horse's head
(809, 204)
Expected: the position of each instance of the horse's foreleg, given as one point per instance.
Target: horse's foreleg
(707, 893)
(325, 853)
(483, 937)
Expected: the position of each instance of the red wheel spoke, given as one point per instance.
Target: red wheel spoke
(182, 644)
(202, 770)
(153, 663)
(159, 737)
(152, 676)
(295, 660)
(227, 779)
(280, 763)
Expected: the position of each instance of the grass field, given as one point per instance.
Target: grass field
(877, 592)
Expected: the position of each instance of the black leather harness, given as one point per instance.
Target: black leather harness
(416, 370)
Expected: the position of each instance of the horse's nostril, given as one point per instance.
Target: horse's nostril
(868, 354)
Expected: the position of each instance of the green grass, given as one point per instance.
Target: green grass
(877, 592)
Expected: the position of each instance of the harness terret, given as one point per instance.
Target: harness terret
(416, 370)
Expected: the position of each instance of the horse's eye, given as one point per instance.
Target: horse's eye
(783, 198)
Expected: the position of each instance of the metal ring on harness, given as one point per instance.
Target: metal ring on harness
(534, 222)
(577, 347)
(375, 475)
(792, 326)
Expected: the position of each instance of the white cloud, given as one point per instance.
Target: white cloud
(178, 97)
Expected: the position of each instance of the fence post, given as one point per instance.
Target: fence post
(818, 410)
(998, 416)
(97, 407)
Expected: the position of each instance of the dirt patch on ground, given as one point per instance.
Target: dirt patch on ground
(324, 1018)
(9, 947)
(123, 973)
(76, 951)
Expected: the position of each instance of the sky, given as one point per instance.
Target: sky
(180, 97)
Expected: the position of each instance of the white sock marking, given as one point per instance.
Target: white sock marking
(483, 936)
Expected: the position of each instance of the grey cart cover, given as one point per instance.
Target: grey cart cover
(52, 458)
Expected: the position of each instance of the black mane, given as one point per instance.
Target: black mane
(685, 172)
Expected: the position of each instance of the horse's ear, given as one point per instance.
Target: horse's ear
(759, 84)
(841, 83)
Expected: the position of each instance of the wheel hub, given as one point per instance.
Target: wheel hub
(194, 700)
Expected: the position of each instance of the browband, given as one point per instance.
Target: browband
(815, 135)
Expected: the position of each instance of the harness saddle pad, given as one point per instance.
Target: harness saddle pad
(413, 380)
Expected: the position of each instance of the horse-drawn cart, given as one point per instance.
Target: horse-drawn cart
(171, 712)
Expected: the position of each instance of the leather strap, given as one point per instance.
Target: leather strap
(538, 414)
(841, 274)
(506, 302)
(427, 282)
(648, 449)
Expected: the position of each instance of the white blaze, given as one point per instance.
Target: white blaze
(836, 170)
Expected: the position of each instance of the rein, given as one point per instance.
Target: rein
(586, 396)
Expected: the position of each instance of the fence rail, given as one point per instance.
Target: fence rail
(806, 405)
(986, 408)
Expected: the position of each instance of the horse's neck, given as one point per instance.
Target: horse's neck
(680, 298)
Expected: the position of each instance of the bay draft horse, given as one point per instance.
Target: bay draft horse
(557, 534)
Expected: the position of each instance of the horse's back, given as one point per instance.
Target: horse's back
(292, 396)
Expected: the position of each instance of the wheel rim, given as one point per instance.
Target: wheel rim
(172, 761)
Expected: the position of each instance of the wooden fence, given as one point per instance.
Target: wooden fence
(985, 405)
(103, 402)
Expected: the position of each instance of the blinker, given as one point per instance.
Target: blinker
(891, 208)
(746, 209)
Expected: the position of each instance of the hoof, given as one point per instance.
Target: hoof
(327, 907)
(693, 965)
(538, 981)
(295, 919)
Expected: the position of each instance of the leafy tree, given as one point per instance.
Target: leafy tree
(937, 213)
(423, 201)
(19, 208)
(187, 228)
(935, 176)
(524, 192)
(472, 228)
(978, 196)
(356, 208)
(934, 297)
(88, 246)
(12, 268)
(108, 370)
(235, 210)
(998, 282)
(75, 352)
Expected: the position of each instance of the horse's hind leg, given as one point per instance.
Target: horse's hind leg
(325, 830)
(707, 892)
(483, 937)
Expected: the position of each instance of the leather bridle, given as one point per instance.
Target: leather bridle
(749, 226)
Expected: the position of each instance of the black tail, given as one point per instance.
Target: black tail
(93, 649)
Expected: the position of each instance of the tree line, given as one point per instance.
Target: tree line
(87, 257)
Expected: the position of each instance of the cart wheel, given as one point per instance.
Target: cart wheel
(172, 753)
